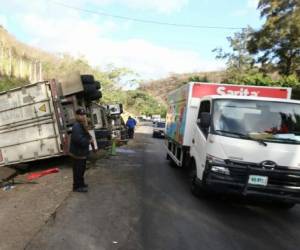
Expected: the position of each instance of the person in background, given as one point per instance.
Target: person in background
(130, 124)
(79, 150)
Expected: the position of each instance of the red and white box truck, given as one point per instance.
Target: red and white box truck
(237, 139)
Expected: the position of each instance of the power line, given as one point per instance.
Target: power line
(148, 21)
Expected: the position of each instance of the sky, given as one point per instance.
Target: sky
(152, 51)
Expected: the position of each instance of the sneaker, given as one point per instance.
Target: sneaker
(80, 190)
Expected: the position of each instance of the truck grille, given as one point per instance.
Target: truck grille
(280, 176)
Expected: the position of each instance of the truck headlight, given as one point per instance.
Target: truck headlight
(214, 160)
(220, 170)
(217, 165)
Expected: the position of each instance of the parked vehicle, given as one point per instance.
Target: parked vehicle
(159, 130)
(155, 118)
(237, 139)
(36, 119)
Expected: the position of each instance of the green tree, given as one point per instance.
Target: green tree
(198, 79)
(240, 58)
(240, 63)
(140, 102)
(277, 43)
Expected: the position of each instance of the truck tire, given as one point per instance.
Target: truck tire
(89, 89)
(197, 189)
(97, 84)
(87, 79)
(91, 93)
(93, 97)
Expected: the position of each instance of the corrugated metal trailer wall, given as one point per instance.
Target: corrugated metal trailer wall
(28, 126)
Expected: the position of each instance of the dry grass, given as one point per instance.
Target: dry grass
(160, 88)
(22, 49)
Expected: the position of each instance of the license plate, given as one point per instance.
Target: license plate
(258, 180)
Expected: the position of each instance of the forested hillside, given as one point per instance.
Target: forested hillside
(160, 88)
(22, 64)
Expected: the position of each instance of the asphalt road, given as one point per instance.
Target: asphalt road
(137, 201)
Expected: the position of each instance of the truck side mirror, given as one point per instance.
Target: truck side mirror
(204, 122)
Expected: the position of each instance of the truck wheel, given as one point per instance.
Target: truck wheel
(97, 84)
(87, 79)
(195, 188)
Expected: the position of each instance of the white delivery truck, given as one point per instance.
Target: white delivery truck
(36, 120)
(237, 139)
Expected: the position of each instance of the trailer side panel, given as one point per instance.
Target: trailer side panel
(28, 126)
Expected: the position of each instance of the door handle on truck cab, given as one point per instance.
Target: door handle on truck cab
(193, 141)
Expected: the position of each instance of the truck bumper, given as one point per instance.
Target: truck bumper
(283, 184)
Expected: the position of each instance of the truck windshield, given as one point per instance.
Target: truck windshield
(257, 120)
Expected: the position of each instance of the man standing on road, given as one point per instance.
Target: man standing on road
(130, 124)
(79, 150)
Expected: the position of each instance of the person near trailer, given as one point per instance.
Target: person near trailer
(130, 124)
(79, 150)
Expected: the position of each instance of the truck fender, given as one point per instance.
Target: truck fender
(200, 170)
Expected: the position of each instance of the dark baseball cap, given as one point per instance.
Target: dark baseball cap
(80, 111)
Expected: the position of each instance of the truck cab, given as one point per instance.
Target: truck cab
(248, 146)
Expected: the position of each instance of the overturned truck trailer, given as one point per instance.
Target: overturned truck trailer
(31, 124)
(36, 120)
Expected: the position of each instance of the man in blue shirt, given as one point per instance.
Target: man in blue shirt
(130, 124)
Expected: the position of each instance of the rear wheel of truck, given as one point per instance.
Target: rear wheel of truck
(87, 79)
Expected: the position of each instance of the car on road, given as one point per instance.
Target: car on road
(159, 130)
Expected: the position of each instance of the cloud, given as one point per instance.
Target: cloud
(161, 6)
(147, 59)
(164, 6)
(69, 31)
(252, 4)
(3, 21)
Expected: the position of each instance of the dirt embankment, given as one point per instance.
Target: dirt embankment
(28, 205)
